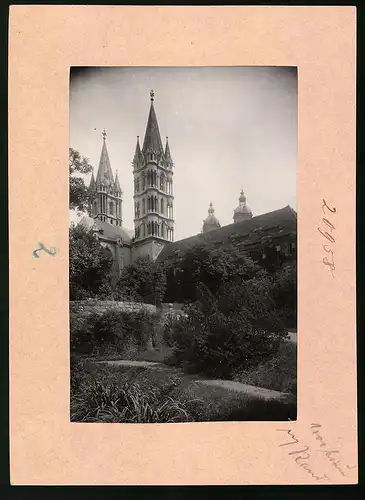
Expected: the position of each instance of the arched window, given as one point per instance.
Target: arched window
(144, 229)
(95, 209)
(111, 208)
(156, 204)
(144, 206)
(138, 209)
(143, 181)
(162, 207)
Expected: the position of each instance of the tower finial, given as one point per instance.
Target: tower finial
(152, 95)
(104, 135)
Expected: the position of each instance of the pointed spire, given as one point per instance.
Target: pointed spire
(92, 185)
(117, 184)
(105, 174)
(152, 139)
(168, 157)
(137, 154)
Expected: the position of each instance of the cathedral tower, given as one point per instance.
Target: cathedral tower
(153, 193)
(106, 202)
(211, 222)
(242, 212)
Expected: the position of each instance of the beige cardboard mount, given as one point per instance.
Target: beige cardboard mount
(46, 449)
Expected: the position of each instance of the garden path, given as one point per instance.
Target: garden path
(228, 385)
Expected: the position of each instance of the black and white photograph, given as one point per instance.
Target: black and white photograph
(183, 244)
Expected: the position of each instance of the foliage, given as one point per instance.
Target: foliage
(278, 373)
(286, 296)
(113, 331)
(79, 193)
(105, 393)
(109, 395)
(235, 327)
(142, 281)
(90, 265)
(206, 264)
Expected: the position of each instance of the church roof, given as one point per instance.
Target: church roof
(152, 139)
(109, 231)
(105, 174)
(255, 231)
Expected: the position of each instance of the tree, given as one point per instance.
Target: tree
(90, 265)
(209, 265)
(142, 281)
(79, 193)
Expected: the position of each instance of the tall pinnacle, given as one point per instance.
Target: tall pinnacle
(152, 139)
(168, 157)
(92, 185)
(117, 183)
(105, 174)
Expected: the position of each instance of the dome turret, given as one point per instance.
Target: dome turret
(211, 222)
(242, 212)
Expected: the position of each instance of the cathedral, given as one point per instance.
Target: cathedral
(153, 234)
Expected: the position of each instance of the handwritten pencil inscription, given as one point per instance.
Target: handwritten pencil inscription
(303, 454)
(300, 454)
(50, 251)
(326, 231)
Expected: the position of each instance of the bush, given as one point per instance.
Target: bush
(113, 332)
(237, 328)
(285, 297)
(278, 373)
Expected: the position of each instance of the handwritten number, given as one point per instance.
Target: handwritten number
(50, 251)
(328, 223)
(332, 210)
(326, 235)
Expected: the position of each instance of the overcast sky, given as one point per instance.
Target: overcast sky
(228, 128)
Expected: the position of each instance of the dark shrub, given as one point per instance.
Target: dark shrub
(278, 372)
(237, 328)
(114, 331)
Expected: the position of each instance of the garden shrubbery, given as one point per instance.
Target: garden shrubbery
(238, 327)
(278, 372)
(113, 332)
